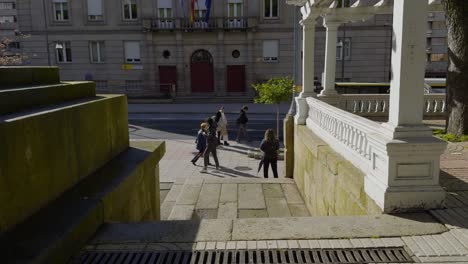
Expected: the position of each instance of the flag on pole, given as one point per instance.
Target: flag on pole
(208, 9)
(182, 7)
(192, 11)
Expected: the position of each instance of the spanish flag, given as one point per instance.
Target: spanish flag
(192, 11)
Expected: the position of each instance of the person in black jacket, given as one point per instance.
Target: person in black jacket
(211, 144)
(201, 142)
(270, 147)
(242, 122)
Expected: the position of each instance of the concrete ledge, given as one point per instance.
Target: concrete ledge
(47, 151)
(17, 76)
(20, 99)
(252, 229)
(116, 192)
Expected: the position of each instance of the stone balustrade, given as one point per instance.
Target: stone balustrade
(377, 105)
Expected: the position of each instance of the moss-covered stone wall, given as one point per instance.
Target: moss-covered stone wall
(46, 152)
(329, 184)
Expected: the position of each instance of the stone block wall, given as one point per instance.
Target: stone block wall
(329, 184)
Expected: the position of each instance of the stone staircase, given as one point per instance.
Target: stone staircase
(67, 165)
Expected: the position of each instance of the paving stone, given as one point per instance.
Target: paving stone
(220, 245)
(272, 244)
(231, 245)
(277, 207)
(200, 246)
(181, 212)
(122, 246)
(241, 245)
(282, 243)
(210, 245)
(314, 243)
(166, 209)
(165, 185)
(209, 196)
(303, 244)
(162, 195)
(251, 244)
(452, 244)
(298, 210)
(252, 213)
(206, 213)
(228, 193)
(251, 196)
(262, 244)
(189, 194)
(444, 259)
(292, 194)
(293, 244)
(227, 210)
(174, 193)
(272, 190)
(168, 246)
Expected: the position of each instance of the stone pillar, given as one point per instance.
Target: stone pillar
(405, 157)
(308, 56)
(330, 57)
(308, 70)
(220, 67)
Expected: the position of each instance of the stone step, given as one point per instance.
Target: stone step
(20, 76)
(213, 99)
(48, 150)
(254, 229)
(20, 99)
(122, 190)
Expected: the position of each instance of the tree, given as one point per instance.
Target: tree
(456, 13)
(10, 54)
(275, 91)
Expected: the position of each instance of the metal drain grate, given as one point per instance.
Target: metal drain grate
(290, 256)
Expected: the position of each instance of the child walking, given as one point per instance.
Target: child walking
(270, 147)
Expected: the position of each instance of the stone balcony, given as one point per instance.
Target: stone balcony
(214, 23)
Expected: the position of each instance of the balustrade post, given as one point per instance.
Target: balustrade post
(405, 157)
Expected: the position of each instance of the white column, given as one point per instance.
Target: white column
(405, 157)
(408, 67)
(330, 57)
(308, 56)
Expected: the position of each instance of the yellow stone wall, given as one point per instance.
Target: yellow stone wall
(329, 184)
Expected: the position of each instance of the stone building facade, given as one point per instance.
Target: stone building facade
(8, 18)
(145, 47)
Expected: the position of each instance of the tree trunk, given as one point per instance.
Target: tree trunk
(456, 12)
(277, 120)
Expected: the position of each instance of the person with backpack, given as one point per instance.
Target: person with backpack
(242, 122)
(270, 147)
(201, 142)
(211, 144)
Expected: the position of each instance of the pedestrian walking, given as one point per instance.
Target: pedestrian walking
(211, 144)
(270, 147)
(200, 141)
(242, 122)
(221, 128)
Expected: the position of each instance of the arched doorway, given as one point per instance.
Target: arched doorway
(201, 69)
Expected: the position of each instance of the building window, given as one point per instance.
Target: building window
(235, 8)
(97, 51)
(95, 10)
(271, 8)
(130, 10)
(343, 3)
(346, 55)
(435, 57)
(101, 85)
(270, 50)
(63, 51)
(133, 85)
(61, 10)
(132, 52)
(7, 6)
(7, 19)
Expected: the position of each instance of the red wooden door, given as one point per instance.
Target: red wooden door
(167, 77)
(236, 78)
(202, 77)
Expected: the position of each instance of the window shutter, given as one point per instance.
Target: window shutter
(132, 50)
(60, 1)
(94, 7)
(164, 4)
(235, 1)
(270, 49)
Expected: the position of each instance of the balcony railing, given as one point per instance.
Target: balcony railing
(214, 23)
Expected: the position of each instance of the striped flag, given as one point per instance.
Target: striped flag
(208, 9)
(182, 7)
(192, 11)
